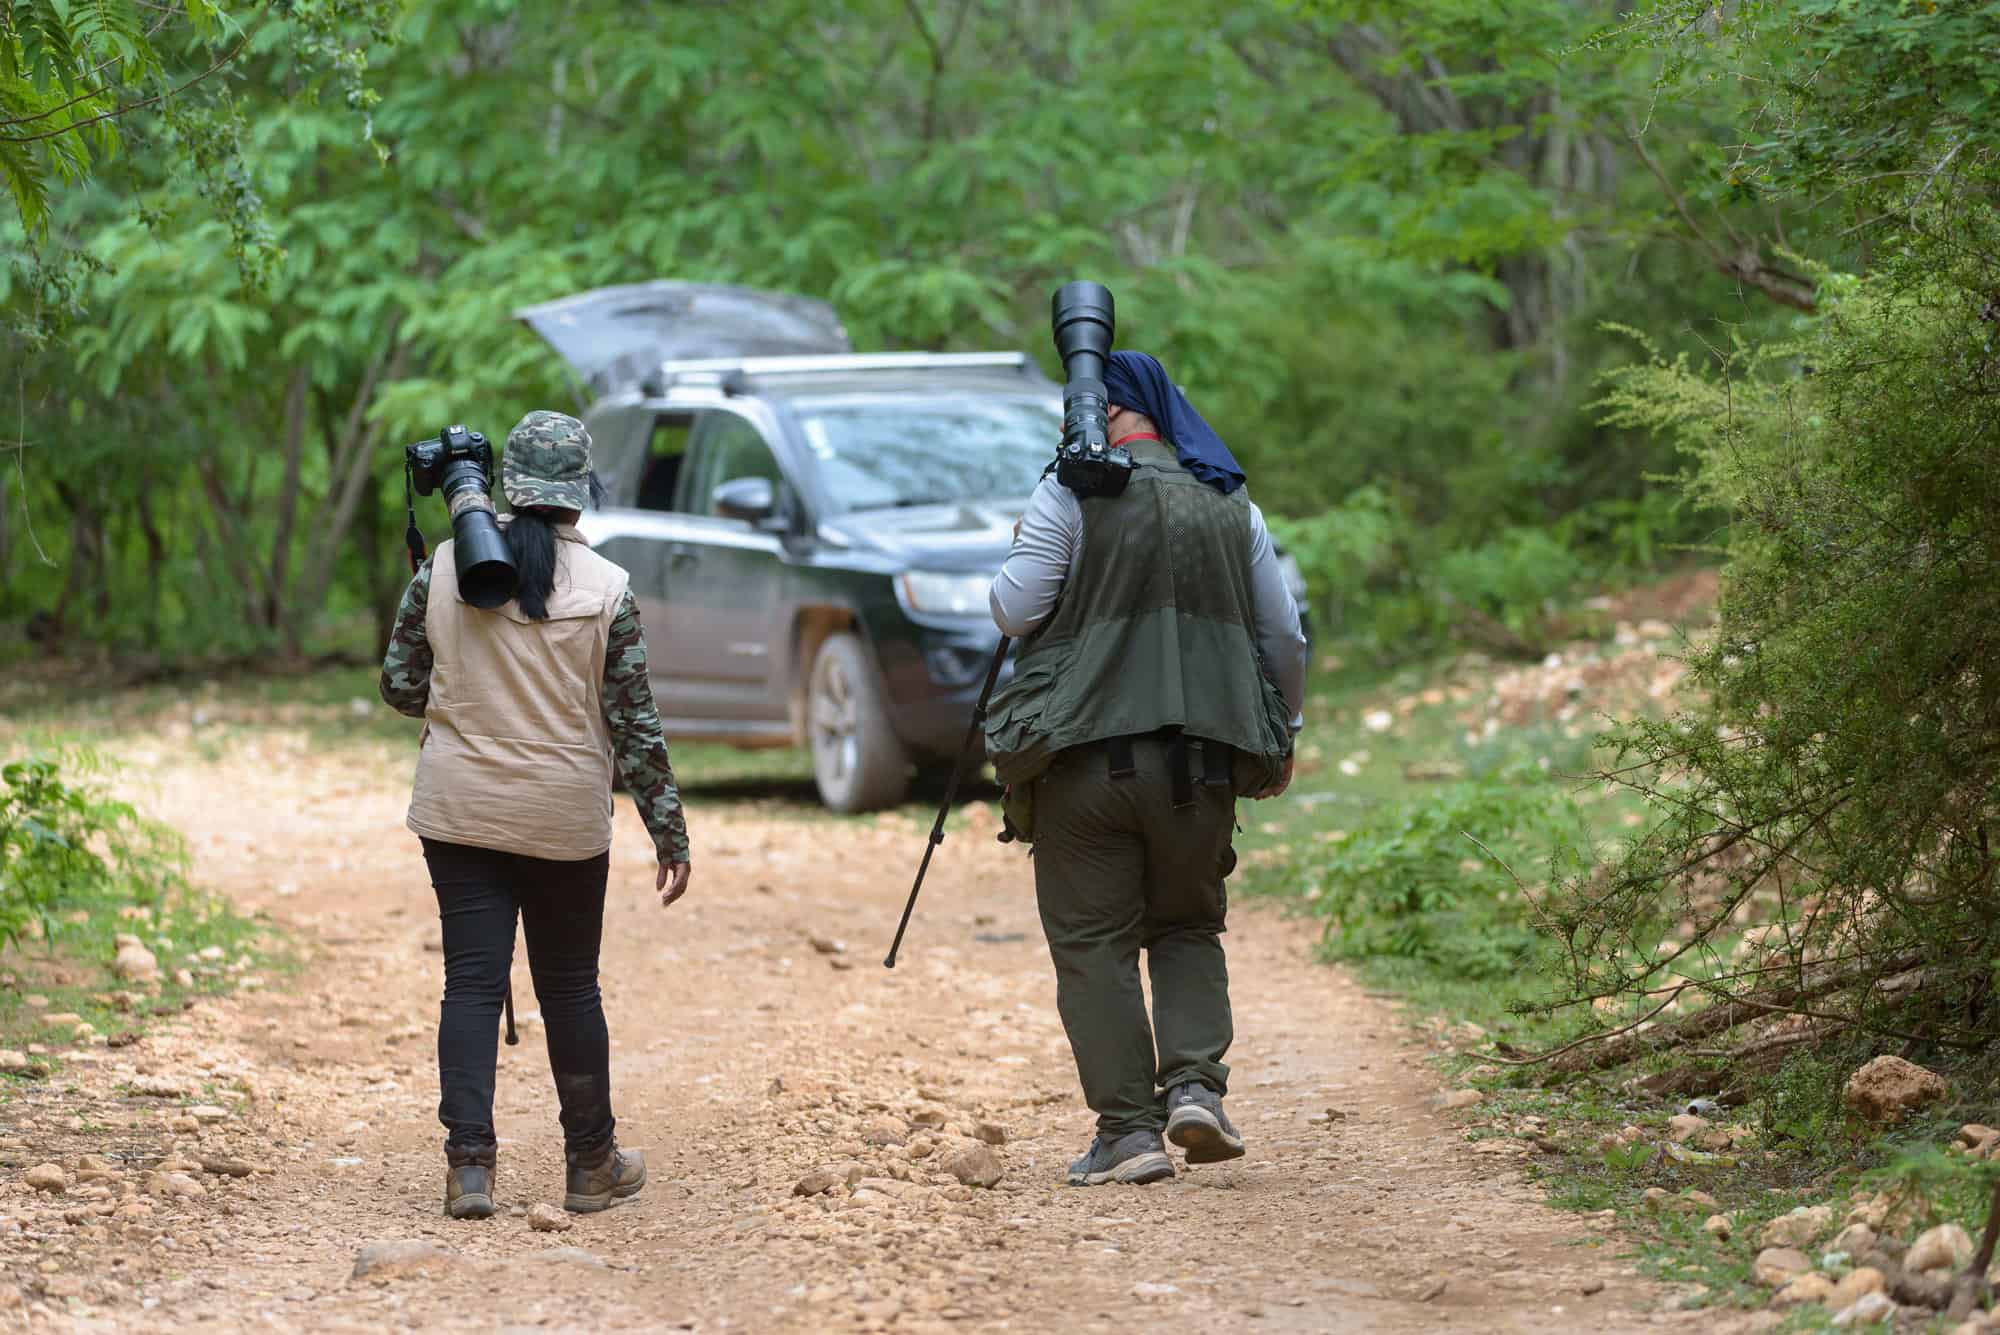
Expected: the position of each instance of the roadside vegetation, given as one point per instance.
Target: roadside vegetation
(1736, 977)
(100, 930)
(1514, 313)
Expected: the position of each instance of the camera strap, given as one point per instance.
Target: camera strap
(412, 536)
(1137, 435)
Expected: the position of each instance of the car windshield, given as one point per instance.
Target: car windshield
(878, 453)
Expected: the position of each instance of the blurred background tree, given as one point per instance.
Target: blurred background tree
(1376, 242)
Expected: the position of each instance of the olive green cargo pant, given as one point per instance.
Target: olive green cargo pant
(1119, 868)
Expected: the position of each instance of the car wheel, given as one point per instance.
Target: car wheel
(857, 761)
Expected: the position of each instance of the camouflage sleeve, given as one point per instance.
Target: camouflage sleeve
(636, 738)
(406, 667)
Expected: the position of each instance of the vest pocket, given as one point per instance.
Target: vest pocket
(1013, 745)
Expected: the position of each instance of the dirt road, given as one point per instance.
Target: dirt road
(743, 1057)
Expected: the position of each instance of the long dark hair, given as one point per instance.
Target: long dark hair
(531, 538)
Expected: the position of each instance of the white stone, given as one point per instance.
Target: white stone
(1946, 1247)
(1778, 1266)
(546, 1218)
(1801, 1228)
(1866, 1312)
(135, 963)
(1807, 1288)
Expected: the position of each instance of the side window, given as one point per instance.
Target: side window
(730, 448)
(665, 453)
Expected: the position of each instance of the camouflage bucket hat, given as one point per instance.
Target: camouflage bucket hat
(547, 462)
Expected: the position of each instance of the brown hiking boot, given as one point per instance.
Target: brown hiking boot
(615, 1175)
(468, 1191)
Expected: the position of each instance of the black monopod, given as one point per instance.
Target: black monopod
(950, 792)
(1082, 319)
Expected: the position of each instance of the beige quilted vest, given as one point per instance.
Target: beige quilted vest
(516, 755)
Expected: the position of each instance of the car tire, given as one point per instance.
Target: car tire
(858, 764)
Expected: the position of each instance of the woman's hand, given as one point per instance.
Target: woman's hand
(672, 882)
(1284, 781)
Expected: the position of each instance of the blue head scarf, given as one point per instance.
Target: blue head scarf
(1137, 381)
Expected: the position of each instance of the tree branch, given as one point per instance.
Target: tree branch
(1746, 265)
(130, 107)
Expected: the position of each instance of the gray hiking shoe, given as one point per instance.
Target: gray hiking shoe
(598, 1185)
(1135, 1158)
(1196, 1123)
(468, 1191)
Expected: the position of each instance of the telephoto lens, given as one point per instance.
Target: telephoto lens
(486, 574)
(1082, 319)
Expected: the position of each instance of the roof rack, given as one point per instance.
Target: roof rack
(729, 372)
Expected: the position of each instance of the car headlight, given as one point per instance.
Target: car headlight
(944, 594)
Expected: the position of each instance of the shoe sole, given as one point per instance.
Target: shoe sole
(1137, 1171)
(578, 1203)
(472, 1205)
(1198, 1131)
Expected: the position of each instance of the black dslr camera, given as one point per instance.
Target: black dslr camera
(460, 464)
(1082, 321)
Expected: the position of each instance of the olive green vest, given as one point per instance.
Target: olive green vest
(1155, 630)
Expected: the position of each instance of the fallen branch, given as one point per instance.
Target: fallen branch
(1615, 1047)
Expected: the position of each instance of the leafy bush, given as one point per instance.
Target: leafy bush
(1343, 550)
(1514, 579)
(1843, 776)
(1410, 883)
(61, 842)
(1387, 585)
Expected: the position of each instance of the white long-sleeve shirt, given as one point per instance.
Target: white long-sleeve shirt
(1030, 583)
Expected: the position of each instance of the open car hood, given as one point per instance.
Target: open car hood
(613, 337)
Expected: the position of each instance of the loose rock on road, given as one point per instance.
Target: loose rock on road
(832, 1146)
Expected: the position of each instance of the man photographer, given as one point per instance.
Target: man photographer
(527, 707)
(1161, 677)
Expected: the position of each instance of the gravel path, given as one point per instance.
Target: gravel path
(744, 1056)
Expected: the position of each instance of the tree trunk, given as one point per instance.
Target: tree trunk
(224, 513)
(287, 512)
(350, 454)
(156, 558)
(6, 519)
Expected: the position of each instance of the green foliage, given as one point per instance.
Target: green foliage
(78, 80)
(1799, 1106)
(62, 842)
(1625, 1160)
(1942, 1186)
(1841, 779)
(1844, 774)
(1374, 244)
(1410, 881)
(1515, 578)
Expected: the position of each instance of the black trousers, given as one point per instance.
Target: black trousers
(561, 908)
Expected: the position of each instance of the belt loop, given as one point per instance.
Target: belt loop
(1216, 767)
(1119, 751)
(1177, 766)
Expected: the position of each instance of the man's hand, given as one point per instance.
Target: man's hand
(1284, 781)
(672, 882)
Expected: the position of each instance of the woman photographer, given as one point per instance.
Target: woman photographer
(527, 709)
